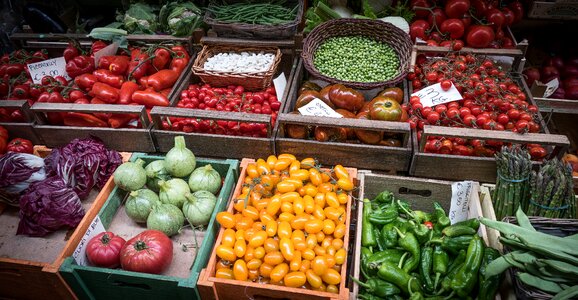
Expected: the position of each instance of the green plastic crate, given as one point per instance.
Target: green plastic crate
(101, 283)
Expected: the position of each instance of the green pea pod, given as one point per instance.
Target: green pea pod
(368, 238)
(378, 287)
(426, 267)
(465, 279)
(391, 273)
(458, 230)
(488, 287)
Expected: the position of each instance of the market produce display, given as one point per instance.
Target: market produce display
(264, 13)
(556, 67)
(414, 254)
(287, 226)
(350, 103)
(542, 261)
(492, 100)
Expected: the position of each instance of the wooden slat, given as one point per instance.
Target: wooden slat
(564, 106)
(483, 51)
(397, 127)
(93, 108)
(210, 115)
(207, 40)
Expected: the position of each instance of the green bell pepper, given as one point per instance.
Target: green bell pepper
(368, 238)
(488, 286)
(391, 273)
(465, 279)
(425, 268)
(440, 263)
(409, 242)
(378, 287)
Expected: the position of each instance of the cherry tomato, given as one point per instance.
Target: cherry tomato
(295, 279)
(331, 277)
(279, 272)
(226, 219)
(319, 265)
(240, 270)
(226, 253)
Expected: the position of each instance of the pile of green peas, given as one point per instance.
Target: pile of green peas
(356, 58)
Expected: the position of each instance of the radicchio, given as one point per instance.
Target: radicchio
(17, 172)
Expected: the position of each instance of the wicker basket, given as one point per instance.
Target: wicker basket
(253, 31)
(378, 30)
(557, 227)
(250, 81)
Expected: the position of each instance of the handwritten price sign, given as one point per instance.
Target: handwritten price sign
(50, 67)
(318, 108)
(434, 95)
(93, 229)
(460, 204)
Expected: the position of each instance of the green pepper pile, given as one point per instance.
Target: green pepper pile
(418, 255)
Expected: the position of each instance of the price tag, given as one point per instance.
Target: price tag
(551, 87)
(50, 67)
(460, 205)
(106, 51)
(93, 229)
(280, 83)
(318, 108)
(434, 95)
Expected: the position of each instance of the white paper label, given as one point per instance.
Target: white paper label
(280, 83)
(460, 205)
(50, 67)
(434, 95)
(106, 51)
(551, 87)
(318, 108)
(93, 229)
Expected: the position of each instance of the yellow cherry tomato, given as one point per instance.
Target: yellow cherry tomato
(252, 170)
(295, 263)
(302, 175)
(328, 226)
(305, 265)
(308, 163)
(298, 237)
(249, 233)
(321, 288)
(296, 182)
(340, 172)
(330, 260)
(274, 205)
(290, 196)
(337, 268)
(339, 231)
(332, 213)
(225, 274)
(223, 264)
(271, 160)
(265, 270)
(340, 256)
(299, 206)
(260, 204)
(314, 226)
(240, 270)
(318, 213)
(295, 279)
(239, 234)
(271, 228)
(320, 236)
(300, 221)
(279, 272)
(337, 243)
(315, 177)
(319, 265)
(294, 166)
(343, 198)
(253, 275)
(286, 186)
(240, 203)
(263, 167)
(282, 164)
(254, 264)
(308, 254)
(271, 245)
(330, 250)
(286, 217)
(320, 200)
(331, 199)
(226, 219)
(249, 254)
(240, 248)
(314, 280)
(326, 176)
(345, 184)
(308, 204)
(258, 239)
(326, 241)
(287, 207)
(331, 288)
(259, 252)
(258, 226)
(331, 277)
(311, 241)
(244, 223)
(287, 248)
(288, 156)
(284, 230)
(226, 253)
(326, 187)
(228, 238)
(273, 258)
(310, 190)
(265, 217)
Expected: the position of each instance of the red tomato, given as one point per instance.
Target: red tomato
(455, 28)
(479, 36)
(456, 8)
(496, 18)
(20, 145)
(103, 250)
(418, 29)
(437, 16)
(446, 85)
(151, 251)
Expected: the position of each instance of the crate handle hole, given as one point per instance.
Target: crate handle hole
(132, 285)
(11, 272)
(405, 191)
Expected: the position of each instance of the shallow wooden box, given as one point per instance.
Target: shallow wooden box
(21, 130)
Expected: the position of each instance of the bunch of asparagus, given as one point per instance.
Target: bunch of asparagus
(512, 185)
(552, 191)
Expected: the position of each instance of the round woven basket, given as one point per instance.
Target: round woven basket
(378, 30)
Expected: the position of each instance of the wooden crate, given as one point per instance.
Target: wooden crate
(419, 192)
(481, 169)
(211, 287)
(357, 155)
(21, 130)
(216, 145)
(123, 139)
(180, 280)
(29, 265)
(557, 10)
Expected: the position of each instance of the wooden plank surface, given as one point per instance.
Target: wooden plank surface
(564, 106)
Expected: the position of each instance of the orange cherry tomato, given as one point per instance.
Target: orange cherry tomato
(265, 270)
(331, 199)
(320, 200)
(332, 213)
(308, 163)
(299, 206)
(265, 217)
(296, 182)
(249, 254)
(345, 184)
(294, 166)
(287, 248)
(320, 236)
(343, 198)
(288, 156)
(300, 221)
(290, 196)
(314, 226)
(330, 260)
(287, 207)
(259, 252)
(258, 226)
(240, 270)
(226, 219)
(314, 280)
(295, 263)
(311, 241)
(327, 241)
(298, 236)
(310, 190)
(249, 233)
(271, 245)
(263, 167)
(340, 256)
(273, 258)
(315, 177)
(240, 247)
(301, 174)
(271, 160)
(331, 277)
(305, 265)
(258, 239)
(319, 265)
(225, 274)
(270, 181)
(330, 250)
(226, 253)
(320, 251)
(308, 254)
(328, 226)
(308, 204)
(279, 272)
(253, 275)
(325, 188)
(340, 172)
(284, 230)
(245, 223)
(254, 264)
(239, 234)
(318, 213)
(337, 243)
(286, 186)
(240, 203)
(340, 230)
(228, 238)
(271, 228)
(274, 205)
(331, 288)
(252, 170)
(261, 204)
(286, 217)
(282, 164)
(295, 279)
(337, 268)
(223, 264)
(325, 176)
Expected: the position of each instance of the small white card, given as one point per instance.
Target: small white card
(551, 87)
(106, 51)
(50, 67)
(318, 108)
(280, 83)
(460, 205)
(434, 95)
(93, 229)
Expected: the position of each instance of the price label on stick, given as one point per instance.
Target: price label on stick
(460, 205)
(280, 83)
(93, 229)
(318, 108)
(434, 95)
(50, 67)
(106, 51)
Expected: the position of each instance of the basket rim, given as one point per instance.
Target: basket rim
(209, 20)
(308, 51)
